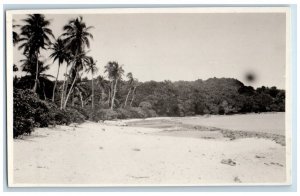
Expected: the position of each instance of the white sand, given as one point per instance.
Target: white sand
(98, 154)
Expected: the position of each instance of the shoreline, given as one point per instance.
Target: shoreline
(108, 154)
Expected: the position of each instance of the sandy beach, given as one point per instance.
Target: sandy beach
(106, 155)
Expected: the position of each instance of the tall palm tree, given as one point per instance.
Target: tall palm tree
(60, 54)
(93, 69)
(130, 81)
(115, 73)
(35, 35)
(76, 38)
(80, 62)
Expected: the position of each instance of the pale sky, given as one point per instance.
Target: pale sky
(185, 46)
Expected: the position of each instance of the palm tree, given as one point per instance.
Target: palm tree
(76, 38)
(35, 35)
(115, 73)
(59, 53)
(130, 81)
(93, 69)
(80, 62)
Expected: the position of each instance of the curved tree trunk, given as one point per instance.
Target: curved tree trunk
(53, 94)
(63, 89)
(114, 95)
(71, 88)
(133, 92)
(125, 104)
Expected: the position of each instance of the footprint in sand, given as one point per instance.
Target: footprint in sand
(278, 164)
(42, 167)
(236, 179)
(228, 162)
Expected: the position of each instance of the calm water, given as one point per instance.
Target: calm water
(264, 122)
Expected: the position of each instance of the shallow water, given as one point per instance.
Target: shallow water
(264, 122)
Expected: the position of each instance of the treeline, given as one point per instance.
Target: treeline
(41, 99)
(212, 96)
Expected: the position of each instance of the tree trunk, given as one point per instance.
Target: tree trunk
(63, 89)
(44, 91)
(114, 95)
(125, 104)
(68, 95)
(92, 91)
(109, 95)
(133, 92)
(111, 91)
(53, 95)
(80, 95)
(36, 73)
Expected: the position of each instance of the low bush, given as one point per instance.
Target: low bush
(30, 111)
(83, 111)
(145, 105)
(105, 114)
(75, 115)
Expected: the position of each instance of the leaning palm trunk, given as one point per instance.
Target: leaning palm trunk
(53, 95)
(114, 95)
(36, 73)
(125, 104)
(63, 89)
(133, 93)
(71, 88)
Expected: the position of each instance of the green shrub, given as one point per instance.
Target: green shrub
(145, 105)
(105, 114)
(138, 112)
(75, 115)
(83, 111)
(124, 113)
(150, 113)
(29, 112)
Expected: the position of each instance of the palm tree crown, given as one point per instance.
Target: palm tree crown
(114, 70)
(59, 52)
(35, 34)
(76, 35)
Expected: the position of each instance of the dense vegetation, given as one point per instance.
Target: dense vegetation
(41, 102)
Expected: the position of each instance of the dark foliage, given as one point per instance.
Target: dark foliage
(30, 111)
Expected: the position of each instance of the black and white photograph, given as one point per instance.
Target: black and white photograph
(148, 97)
